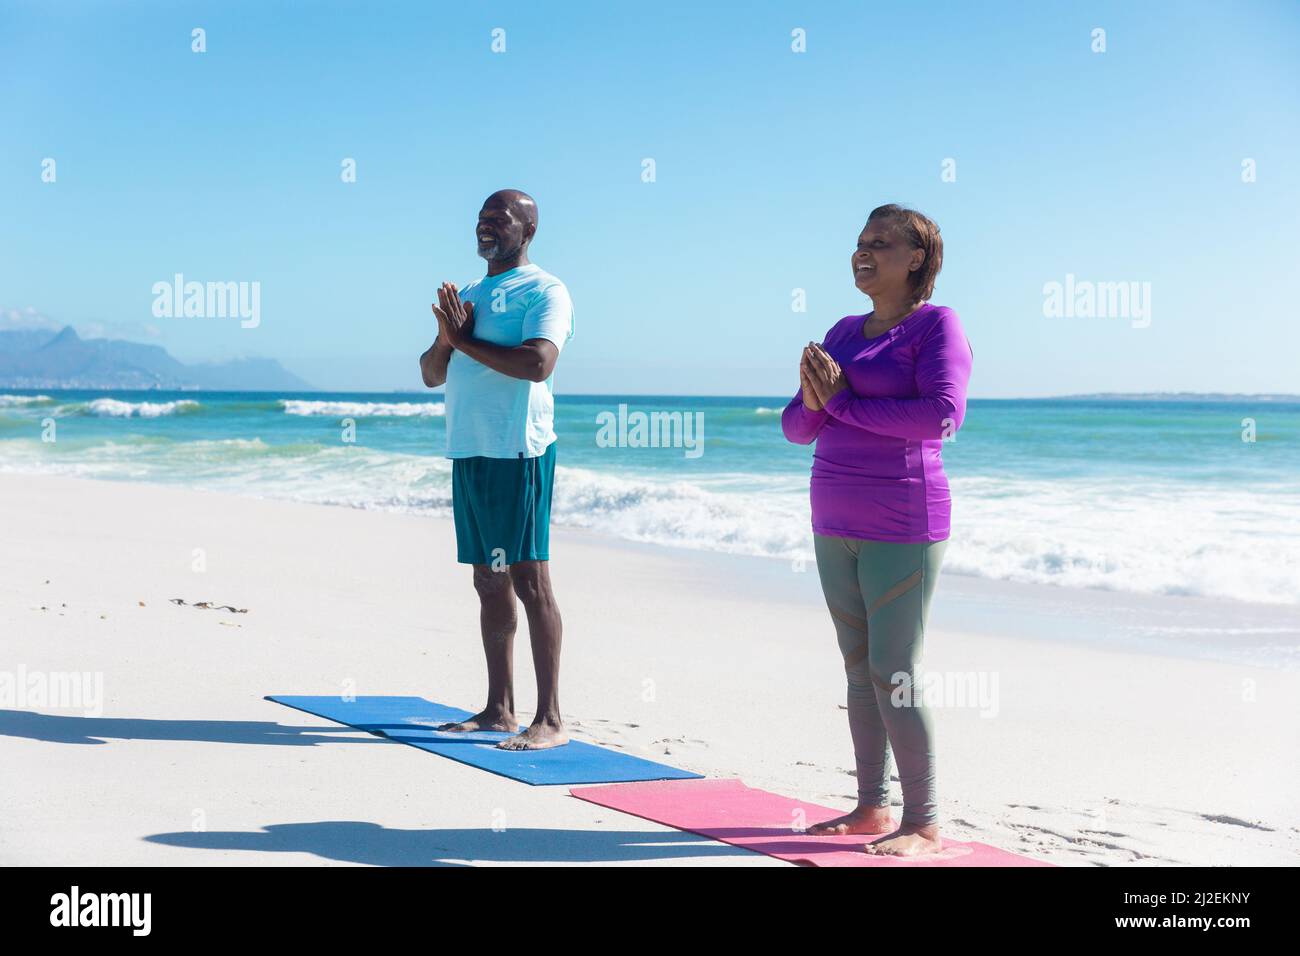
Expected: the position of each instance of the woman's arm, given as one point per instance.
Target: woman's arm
(804, 417)
(942, 372)
(800, 423)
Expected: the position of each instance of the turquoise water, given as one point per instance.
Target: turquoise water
(1156, 497)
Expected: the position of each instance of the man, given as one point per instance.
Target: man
(497, 345)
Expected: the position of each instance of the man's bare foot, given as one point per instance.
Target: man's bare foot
(493, 718)
(543, 733)
(861, 820)
(908, 840)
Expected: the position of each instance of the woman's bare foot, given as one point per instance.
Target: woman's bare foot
(492, 718)
(541, 734)
(908, 840)
(861, 820)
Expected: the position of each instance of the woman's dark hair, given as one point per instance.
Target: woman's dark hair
(920, 232)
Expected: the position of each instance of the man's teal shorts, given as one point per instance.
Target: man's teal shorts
(502, 508)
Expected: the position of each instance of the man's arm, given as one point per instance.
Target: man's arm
(534, 360)
(433, 363)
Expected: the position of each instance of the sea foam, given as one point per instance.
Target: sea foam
(364, 409)
(112, 408)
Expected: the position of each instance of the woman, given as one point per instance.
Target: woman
(878, 396)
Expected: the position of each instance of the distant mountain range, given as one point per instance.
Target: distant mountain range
(39, 358)
(1183, 397)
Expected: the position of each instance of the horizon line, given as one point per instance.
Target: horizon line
(440, 392)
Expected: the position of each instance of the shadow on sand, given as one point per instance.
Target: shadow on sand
(354, 841)
(75, 729)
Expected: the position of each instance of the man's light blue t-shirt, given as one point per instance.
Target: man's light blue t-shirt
(490, 414)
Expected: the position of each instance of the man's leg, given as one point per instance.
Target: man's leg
(497, 621)
(532, 584)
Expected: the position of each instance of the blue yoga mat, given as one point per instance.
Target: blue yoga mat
(411, 720)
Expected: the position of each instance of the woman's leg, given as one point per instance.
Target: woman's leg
(837, 566)
(897, 582)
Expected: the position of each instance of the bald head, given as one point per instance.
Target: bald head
(522, 204)
(506, 225)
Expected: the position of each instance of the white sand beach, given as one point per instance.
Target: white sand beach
(1103, 749)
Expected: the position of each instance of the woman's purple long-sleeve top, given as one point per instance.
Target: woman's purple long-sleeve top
(878, 468)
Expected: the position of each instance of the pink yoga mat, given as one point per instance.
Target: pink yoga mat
(729, 811)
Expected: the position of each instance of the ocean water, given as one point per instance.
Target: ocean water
(1161, 497)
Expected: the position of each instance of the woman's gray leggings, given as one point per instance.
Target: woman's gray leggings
(879, 595)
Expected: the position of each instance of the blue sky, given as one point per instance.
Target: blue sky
(1113, 167)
